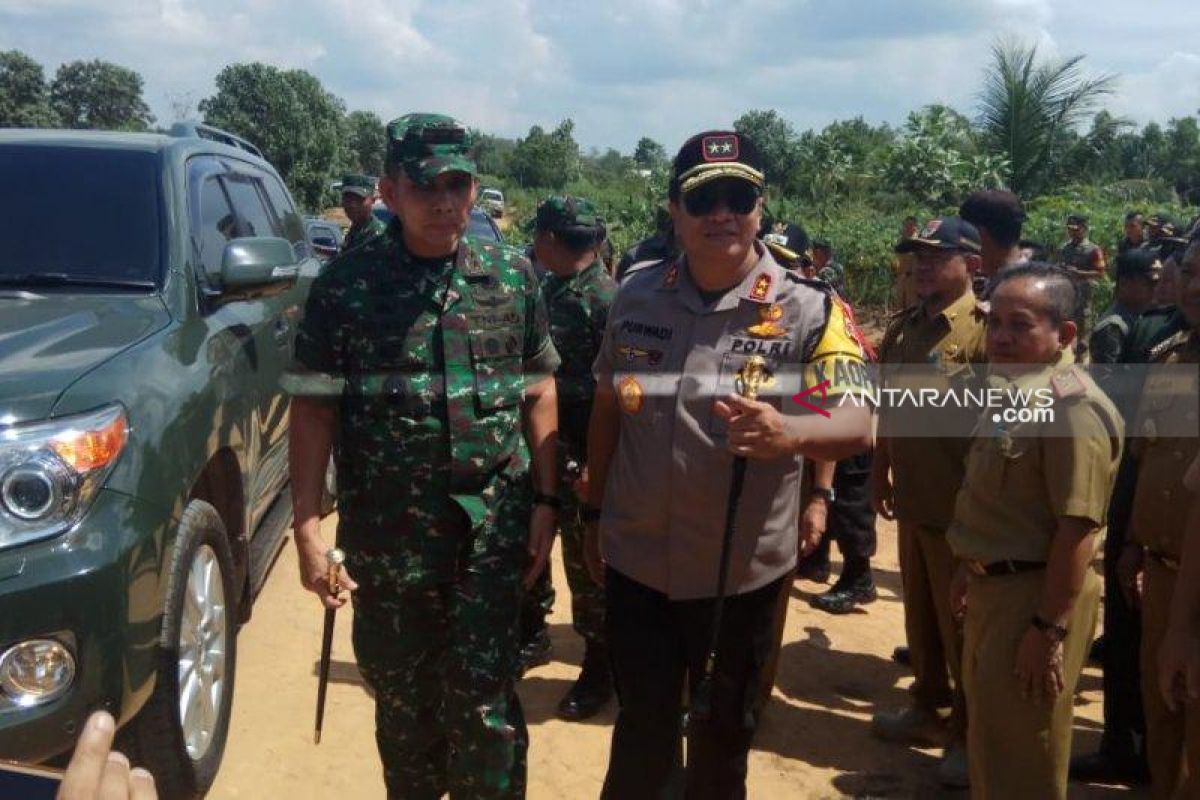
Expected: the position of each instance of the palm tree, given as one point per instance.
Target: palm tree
(1026, 106)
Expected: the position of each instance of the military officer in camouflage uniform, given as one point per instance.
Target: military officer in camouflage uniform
(1164, 443)
(1138, 272)
(358, 201)
(1085, 261)
(1033, 497)
(578, 292)
(421, 352)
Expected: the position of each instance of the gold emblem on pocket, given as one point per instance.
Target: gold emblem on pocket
(630, 395)
(768, 326)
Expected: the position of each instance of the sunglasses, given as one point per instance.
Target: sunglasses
(739, 196)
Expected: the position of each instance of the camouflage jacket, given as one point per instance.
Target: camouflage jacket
(578, 310)
(429, 360)
(1086, 257)
(360, 233)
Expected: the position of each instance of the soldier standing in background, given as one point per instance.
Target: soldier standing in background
(422, 352)
(1085, 260)
(358, 201)
(578, 292)
(1149, 566)
(1135, 232)
(999, 217)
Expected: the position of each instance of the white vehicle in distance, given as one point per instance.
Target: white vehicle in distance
(493, 201)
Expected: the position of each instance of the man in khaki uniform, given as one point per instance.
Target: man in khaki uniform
(1034, 496)
(935, 345)
(1165, 443)
(666, 426)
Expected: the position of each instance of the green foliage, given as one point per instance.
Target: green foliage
(24, 98)
(98, 94)
(549, 160)
(366, 141)
(1028, 106)
(649, 154)
(289, 115)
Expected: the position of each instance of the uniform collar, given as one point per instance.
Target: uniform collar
(759, 286)
(955, 311)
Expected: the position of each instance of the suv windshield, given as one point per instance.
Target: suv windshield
(79, 215)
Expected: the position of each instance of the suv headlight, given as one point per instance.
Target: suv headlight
(50, 472)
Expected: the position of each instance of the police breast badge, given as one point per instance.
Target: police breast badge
(768, 326)
(630, 395)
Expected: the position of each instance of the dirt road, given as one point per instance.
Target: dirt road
(814, 740)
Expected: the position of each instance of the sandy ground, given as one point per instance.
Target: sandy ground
(814, 740)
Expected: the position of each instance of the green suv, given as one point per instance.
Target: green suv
(143, 435)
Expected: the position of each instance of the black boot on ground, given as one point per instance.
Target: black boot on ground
(535, 650)
(853, 588)
(592, 689)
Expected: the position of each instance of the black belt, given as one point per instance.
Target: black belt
(1170, 562)
(1010, 567)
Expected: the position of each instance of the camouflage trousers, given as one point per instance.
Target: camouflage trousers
(587, 599)
(441, 660)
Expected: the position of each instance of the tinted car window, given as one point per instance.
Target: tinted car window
(116, 230)
(217, 224)
(248, 203)
(291, 225)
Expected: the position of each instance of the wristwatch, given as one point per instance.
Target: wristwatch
(827, 493)
(543, 499)
(1055, 633)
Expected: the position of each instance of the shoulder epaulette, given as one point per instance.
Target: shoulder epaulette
(1164, 348)
(1068, 382)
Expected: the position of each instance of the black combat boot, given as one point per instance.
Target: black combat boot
(855, 587)
(592, 690)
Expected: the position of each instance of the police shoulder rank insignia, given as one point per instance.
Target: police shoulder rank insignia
(720, 148)
(761, 288)
(1067, 383)
(630, 395)
(768, 326)
(671, 278)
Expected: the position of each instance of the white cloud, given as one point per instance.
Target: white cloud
(622, 68)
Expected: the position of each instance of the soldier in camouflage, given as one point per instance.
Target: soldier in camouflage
(422, 352)
(358, 200)
(1085, 261)
(578, 292)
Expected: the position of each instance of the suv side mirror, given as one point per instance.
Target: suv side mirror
(258, 261)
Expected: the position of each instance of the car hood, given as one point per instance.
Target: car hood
(48, 340)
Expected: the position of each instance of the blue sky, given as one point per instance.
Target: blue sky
(621, 69)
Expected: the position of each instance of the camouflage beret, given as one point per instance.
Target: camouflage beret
(426, 145)
(564, 212)
(361, 185)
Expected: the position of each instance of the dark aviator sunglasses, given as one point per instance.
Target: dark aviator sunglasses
(738, 196)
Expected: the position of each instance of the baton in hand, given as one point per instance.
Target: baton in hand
(750, 378)
(334, 558)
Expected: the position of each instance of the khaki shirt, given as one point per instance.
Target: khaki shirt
(1022, 478)
(942, 353)
(1161, 500)
(668, 357)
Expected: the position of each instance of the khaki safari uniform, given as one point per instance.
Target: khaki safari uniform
(668, 357)
(945, 353)
(1157, 522)
(1021, 479)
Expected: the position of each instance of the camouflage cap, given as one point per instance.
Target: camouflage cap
(564, 212)
(426, 145)
(361, 185)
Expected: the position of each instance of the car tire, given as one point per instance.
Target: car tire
(182, 747)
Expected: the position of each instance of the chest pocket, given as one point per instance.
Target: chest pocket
(996, 460)
(496, 358)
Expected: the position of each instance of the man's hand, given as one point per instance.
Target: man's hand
(542, 523)
(314, 568)
(958, 592)
(1179, 667)
(756, 429)
(591, 553)
(813, 524)
(1129, 574)
(97, 772)
(1039, 666)
(883, 494)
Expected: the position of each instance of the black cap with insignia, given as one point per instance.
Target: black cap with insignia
(716, 154)
(944, 233)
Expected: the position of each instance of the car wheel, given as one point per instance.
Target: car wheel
(180, 733)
